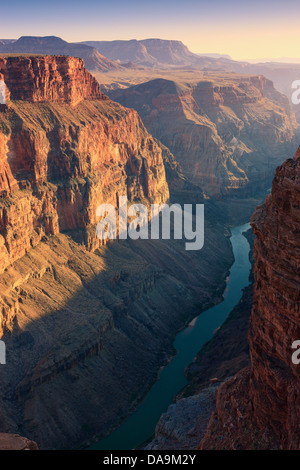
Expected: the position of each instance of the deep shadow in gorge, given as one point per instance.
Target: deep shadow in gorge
(90, 330)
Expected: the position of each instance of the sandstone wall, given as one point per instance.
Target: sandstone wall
(59, 79)
(64, 149)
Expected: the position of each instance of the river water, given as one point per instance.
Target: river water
(140, 426)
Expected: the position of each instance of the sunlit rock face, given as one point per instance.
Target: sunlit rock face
(65, 148)
(227, 131)
(56, 79)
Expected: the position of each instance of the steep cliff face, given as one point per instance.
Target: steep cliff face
(260, 407)
(64, 149)
(275, 320)
(227, 131)
(56, 79)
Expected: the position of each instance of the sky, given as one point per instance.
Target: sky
(243, 29)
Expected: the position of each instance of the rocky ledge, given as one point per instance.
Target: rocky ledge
(185, 422)
(16, 442)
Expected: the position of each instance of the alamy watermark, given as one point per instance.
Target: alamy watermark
(296, 94)
(2, 353)
(137, 222)
(296, 354)
(2, 92)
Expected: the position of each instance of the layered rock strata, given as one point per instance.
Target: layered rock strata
(65, 149)
(228, 132)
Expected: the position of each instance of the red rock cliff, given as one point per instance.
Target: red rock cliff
(260, 408)
(60, 79)
(227, 131)
(64, 149)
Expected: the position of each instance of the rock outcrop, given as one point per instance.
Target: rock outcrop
(184, 423)
(58, 79)
(227, 131)
(260, 408)
(16, 442)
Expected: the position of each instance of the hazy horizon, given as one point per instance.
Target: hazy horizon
(245, 31)
(287, 60)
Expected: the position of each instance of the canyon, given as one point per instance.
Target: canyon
(228, 132)
(86, 325)
(184, 423)
(252, 392)
(151, 58)
(160, 55)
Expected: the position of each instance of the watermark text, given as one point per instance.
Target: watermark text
(137, 222)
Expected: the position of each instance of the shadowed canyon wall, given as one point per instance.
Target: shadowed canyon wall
(259, 408)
